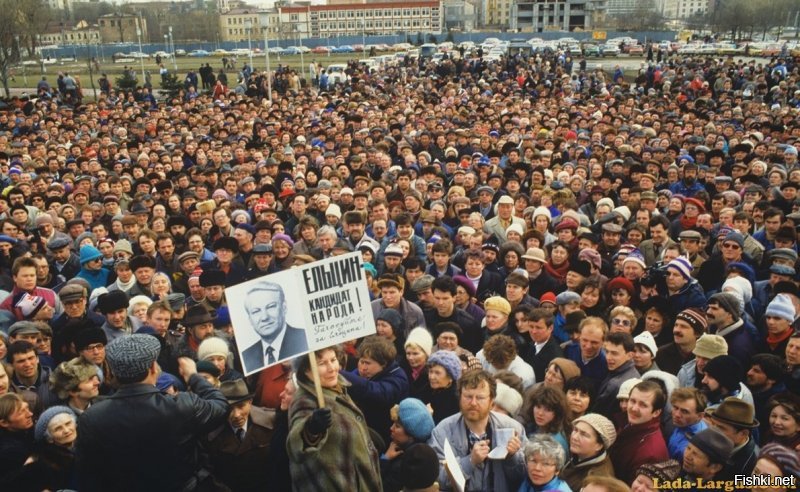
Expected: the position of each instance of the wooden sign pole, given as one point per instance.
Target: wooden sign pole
(312, 359)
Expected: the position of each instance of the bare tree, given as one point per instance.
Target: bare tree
(35, 14)
(10, 19)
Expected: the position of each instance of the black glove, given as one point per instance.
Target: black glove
(319, 422)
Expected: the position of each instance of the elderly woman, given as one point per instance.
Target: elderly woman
(496, 319)
(77, 383)
(622, 318)
(329, 448)
(544, 457)
(411, 424)
(282, 250)
(51, 467)
(592, 435)
(444, 369)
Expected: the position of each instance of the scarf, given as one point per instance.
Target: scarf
(125, 286)
(775, 340)
(688, 222)
(557, 272)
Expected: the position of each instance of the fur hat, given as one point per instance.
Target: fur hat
(508, 399)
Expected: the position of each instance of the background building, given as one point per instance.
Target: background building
(566, 15)
(459, 15)
(121, 28)
(67, 33)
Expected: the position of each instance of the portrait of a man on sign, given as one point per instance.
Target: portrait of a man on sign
(265, 305)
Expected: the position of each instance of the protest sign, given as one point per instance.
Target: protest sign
(281, 316)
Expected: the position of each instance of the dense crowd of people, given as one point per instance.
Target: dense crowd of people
(581, 279)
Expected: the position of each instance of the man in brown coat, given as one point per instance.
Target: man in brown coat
(239, 449)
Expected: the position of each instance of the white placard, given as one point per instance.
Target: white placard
(456, 474)
(307, 308)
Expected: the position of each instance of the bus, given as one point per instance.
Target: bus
(427, 50)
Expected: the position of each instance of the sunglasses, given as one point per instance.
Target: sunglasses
(731, 246)
(621, 322)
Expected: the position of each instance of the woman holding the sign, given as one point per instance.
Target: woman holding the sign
(329, 447)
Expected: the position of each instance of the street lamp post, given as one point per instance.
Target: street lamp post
(248, 24)
(174, 56)
(269, 76)
(166, 43)
(141, 58)
(41, 53)
(19, 57)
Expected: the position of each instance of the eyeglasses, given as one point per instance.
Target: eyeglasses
(731, 246)
(541, 464)
(95, 347)
(621, 322)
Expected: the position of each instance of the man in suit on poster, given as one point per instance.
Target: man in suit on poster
(266, 309)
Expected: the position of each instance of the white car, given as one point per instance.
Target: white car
(162, 54)
(610, 49)
(137, 54)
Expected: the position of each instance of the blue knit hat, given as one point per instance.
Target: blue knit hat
(415, 419)
(44, 420)
(781, 307)
(448, 360)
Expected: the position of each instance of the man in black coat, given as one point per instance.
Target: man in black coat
(444, 299)
(138, 436)
(543, 346)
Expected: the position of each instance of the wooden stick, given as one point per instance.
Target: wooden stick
(312, 359)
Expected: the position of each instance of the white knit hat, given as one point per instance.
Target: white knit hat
(601, 425)
(508, 399)
(422, 338)
(212, 346)
(542, 211)
(334, 210)
(626, 387)
(646, 338)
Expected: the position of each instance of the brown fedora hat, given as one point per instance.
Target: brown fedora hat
(735, 412)
(235, 391)
(197, 315)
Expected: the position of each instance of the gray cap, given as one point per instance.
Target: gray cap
(714, 444)
(131, 356)
(176, 300)
(72, 292)
(57, 243)
(422, 283)
(787, 253)
(23, 328)
(567, 297)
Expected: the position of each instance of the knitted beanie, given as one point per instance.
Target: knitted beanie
(415, 419)
(391, 316)
(682, 266)
(739, 285)
(727, 370)
(419, 467)
(508, 399)
(421, 338)
(212, 346)
(44, 420)
(784, 458)
(646, 338)
(601, 425)
(664, 471)
(626, 387)
(635, 256)
(781, 307)
(727, 301)
(449, 361)
(696, 319)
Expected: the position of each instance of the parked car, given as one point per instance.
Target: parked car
(220, 52)
(180, 52)
(198, 53)
(292, 50)
(162, 54)
(336, 73)
(592, 50)
(401, 47)
(610, 49)
(137, 55)
(321, 50)
(345, 48)
(636, 50)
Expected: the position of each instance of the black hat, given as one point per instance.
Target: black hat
(419, 467)
(197, 315)
(226, 242)
(727, 370)
(212, 277)
(179, 220)
(89, 336)
(142, 261)
(581, 267)
(112, 301)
